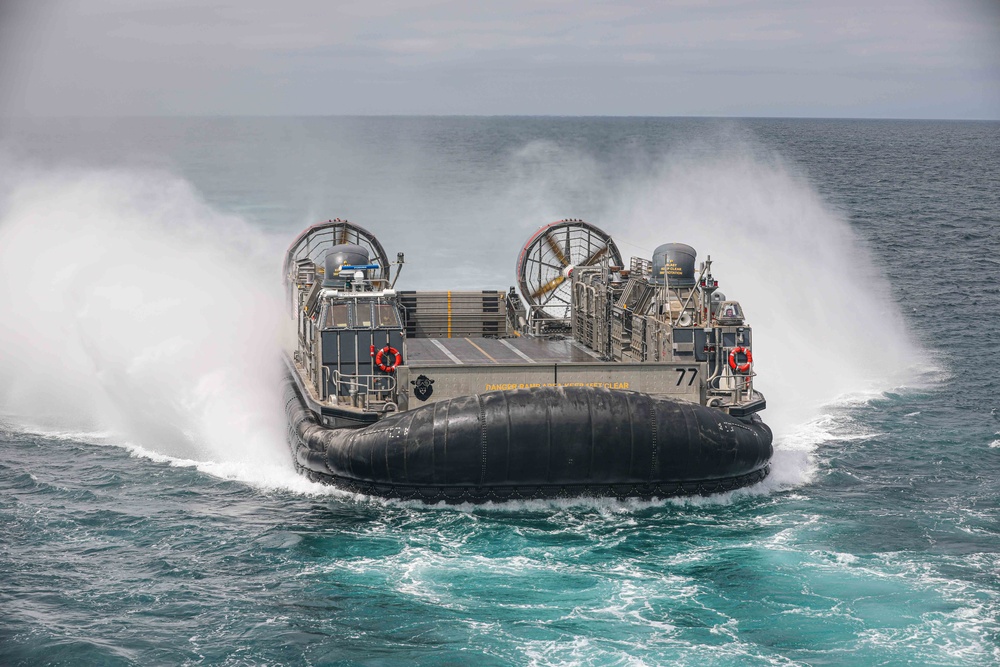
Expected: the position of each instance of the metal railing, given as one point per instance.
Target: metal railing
(737, 386)
(367, 391)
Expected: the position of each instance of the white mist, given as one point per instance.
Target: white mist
(129, 306)
(825, 326)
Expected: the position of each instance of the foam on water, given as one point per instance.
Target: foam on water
(679, 603)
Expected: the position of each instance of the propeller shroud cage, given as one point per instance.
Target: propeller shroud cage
(313, 243)
(545, 262)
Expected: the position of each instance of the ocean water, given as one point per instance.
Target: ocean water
(149, 512)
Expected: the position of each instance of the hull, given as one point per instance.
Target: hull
(543, 442)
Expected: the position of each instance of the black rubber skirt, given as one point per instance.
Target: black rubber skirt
(546, 442)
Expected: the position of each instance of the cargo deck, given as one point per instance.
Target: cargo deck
(428, 352)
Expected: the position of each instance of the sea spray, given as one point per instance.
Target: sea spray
(129, 305)
(150, 313)
(825, 327)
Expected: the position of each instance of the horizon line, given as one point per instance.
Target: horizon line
(483, 115)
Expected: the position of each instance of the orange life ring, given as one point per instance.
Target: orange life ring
(390, 351)
(741, 368)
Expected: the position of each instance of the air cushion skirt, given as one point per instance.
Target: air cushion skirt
(543, 442)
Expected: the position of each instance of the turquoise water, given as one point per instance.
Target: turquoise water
(149, 513)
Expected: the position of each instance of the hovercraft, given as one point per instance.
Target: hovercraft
(590, 379)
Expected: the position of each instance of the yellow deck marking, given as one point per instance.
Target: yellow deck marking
(449, 314)
(485, 353)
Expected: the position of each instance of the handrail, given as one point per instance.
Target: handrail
(324, 392)
(363, 386)
(743, 383)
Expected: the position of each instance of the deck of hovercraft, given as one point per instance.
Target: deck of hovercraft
(489, 351)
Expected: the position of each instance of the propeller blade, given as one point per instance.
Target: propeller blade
(557, 250)
(548, 287)
(596, 256)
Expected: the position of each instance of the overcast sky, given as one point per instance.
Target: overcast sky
(827, 58)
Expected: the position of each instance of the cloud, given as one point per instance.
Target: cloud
(111, 57)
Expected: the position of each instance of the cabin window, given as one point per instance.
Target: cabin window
(730, 310)
(363, 316)
(386, 316)
(337, 316)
